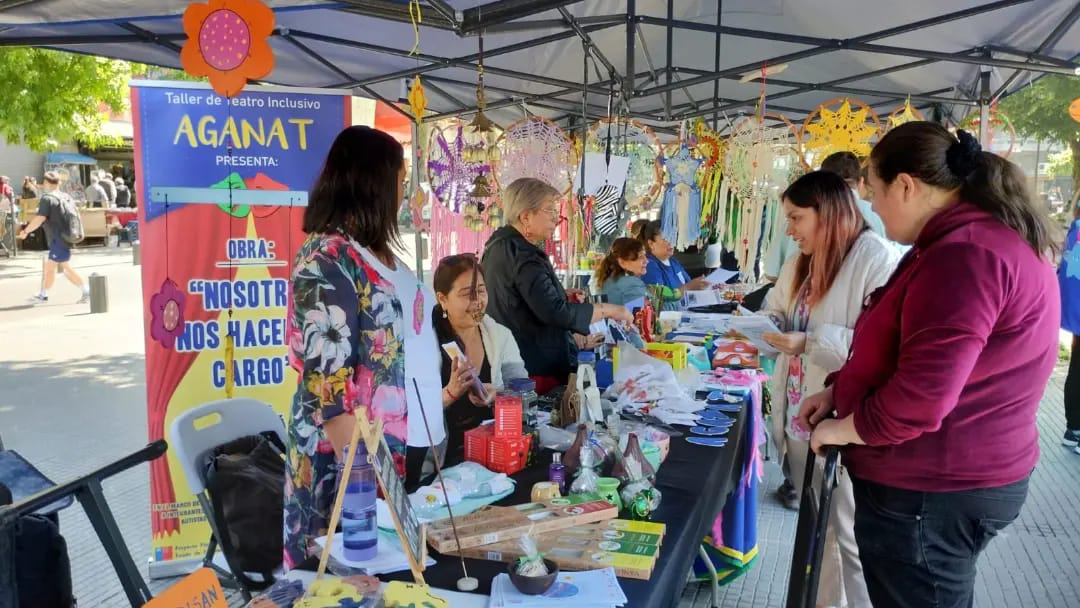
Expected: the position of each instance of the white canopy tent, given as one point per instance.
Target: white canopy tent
(663, 60)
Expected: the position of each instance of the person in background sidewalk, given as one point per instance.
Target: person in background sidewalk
(123, 194)
(1069, 282)
(29, 187)
(106, 182)
(95, 193)
(49, 216)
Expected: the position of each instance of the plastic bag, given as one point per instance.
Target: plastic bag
(531, 562)
(585, 482)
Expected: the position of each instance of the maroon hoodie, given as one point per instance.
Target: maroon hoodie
(950, 358)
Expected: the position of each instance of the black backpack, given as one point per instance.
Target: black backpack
(71, 222)
(41, 565)
(246, 482)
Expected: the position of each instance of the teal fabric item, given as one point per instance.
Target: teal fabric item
(626, 288)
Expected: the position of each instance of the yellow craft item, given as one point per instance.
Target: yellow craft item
(398, 594)
(417, 99)
(328, 593)
(844, 130)
(230, 357)
(908, 114)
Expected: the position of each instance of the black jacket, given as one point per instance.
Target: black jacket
(525, 295)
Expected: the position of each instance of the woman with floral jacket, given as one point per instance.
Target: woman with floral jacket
(355, 310)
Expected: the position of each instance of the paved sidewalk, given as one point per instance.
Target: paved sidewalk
(72, 397)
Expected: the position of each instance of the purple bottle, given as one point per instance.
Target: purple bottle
(557, 472)
(359, 527)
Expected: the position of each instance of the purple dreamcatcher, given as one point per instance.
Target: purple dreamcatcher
(451, 169)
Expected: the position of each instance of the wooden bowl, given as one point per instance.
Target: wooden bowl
(534, 585)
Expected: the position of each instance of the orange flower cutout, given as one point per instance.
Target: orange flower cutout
(227, 42)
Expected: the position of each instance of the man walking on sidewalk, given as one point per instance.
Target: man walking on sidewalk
(50, 215)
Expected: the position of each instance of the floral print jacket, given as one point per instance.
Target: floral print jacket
(345, 341)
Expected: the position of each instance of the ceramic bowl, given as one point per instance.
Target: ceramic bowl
(534, 585)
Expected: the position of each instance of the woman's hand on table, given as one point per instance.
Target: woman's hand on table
(489, 393)
(460, 379)
(815, 408)
(791, 343)
(698, 284)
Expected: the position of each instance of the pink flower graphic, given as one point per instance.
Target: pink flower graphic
(167, 314)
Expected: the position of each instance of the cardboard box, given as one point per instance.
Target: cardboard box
(508, 455)
(495, 524)
(605, 531)
(477, 444)
(583, 548)
(508, 416)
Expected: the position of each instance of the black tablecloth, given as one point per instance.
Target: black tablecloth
(695, 482)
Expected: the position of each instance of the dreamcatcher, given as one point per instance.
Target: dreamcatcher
(850, 127)
(760, 161)
(999, 125)
(636, 141)
(903, 115)
(535, 147)
(708, 146)
(452, 167)
(680, 213)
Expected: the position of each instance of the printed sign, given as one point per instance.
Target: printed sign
(221, 187)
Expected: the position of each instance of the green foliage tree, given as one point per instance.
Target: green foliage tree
(51, 97)
(1042, 110)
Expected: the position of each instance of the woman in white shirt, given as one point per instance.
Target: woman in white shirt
(490, 351)
(815, 301)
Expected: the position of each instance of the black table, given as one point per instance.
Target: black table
(695, 482)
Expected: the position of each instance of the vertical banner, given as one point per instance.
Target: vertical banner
(222, 185)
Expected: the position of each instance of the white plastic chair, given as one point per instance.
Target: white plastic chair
(220, 422)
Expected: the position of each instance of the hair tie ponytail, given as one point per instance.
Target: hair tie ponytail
(962, 157)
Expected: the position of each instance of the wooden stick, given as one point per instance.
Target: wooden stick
(335, 513)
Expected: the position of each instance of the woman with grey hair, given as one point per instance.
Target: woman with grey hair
(525, 294)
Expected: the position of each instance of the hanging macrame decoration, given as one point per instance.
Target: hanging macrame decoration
(636, 141)
(1000, 132)
(680, 213)
(903, 115)
(709, 147)
(227, 43)
(840, 125)
(535, 147)
(759, 162)
(417, 99)
(450, 171)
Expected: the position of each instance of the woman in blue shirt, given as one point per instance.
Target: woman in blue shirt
(665, 271)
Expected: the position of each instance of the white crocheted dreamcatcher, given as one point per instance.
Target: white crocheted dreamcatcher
(627, 137)
(759, 163)
(535, 147)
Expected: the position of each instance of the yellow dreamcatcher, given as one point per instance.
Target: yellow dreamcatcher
(850, 127)
(903, 115)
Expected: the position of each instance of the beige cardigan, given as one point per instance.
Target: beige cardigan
(867, 266)
(502, 353)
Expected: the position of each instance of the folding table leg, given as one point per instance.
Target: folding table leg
(715, 584)
(97, 509)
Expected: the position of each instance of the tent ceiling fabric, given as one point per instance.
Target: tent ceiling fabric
(834, 48)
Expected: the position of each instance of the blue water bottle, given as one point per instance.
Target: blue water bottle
(359, 524)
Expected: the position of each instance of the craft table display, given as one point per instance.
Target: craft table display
(695, 481)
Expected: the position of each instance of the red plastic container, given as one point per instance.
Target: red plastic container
(508, 455)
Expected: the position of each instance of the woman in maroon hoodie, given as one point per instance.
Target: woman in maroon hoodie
(948, 361)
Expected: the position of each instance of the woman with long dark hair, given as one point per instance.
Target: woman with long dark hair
(490, 352)
(619, 275)
(356, 311)
(815, 301)
(937, 403)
